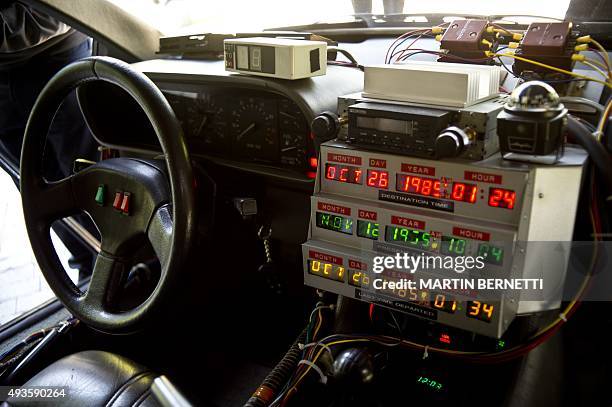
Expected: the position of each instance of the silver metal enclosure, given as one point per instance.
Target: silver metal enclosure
(545, 209)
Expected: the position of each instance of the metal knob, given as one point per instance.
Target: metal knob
(451, 142)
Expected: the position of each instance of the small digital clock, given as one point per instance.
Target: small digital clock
(431, 383)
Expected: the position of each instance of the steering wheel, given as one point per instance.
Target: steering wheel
(129, 200)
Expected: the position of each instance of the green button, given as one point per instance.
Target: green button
(100, 193)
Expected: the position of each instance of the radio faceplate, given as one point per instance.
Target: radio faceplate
(411, 129)
(370, 204)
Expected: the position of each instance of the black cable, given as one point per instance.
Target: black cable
(275, 380)
(503, 65)
(344, 52)
(597, 152)
(353, 62)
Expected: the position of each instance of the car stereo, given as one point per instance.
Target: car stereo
(421, 130)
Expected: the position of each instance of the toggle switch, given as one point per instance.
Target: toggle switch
(100, 194)
(125, 204)
(117, 201)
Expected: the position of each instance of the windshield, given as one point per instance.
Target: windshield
(173, 17)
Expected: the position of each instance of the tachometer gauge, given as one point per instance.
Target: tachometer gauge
(254, 125)
(207, 121)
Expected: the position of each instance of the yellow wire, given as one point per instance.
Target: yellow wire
(602, 66)
(592, 65)
(317, 358)
(603, 51)
(553, 68)
(499, 28)
(603, 120)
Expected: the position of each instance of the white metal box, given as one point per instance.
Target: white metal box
(446, 84)
(276, 57)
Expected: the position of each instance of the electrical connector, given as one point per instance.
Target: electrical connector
(439, 37)
(490, 29)
(517, 36)
(581, 47)
(437, 30)
(578, 57)
(583, 39)
(486, 42)
(513, 45)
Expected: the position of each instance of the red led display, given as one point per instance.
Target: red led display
(502, 198)
(344, 173)
(419, 185)
(464, 192)
(457, 191)
(378, 179)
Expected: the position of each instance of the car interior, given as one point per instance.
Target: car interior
(396, 208)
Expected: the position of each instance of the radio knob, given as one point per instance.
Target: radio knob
(451, 142)
(326, 126)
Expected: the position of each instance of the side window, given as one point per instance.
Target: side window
(22, 285)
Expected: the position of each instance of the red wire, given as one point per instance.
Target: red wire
(401, 52)
(406, 34)
(426, 51)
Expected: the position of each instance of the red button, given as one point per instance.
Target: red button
(117, 200)
(125, 204)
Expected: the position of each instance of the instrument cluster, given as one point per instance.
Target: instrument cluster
(245, 125)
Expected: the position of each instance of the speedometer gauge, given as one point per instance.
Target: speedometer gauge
(255, 130)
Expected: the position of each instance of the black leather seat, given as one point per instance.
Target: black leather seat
(95, 378)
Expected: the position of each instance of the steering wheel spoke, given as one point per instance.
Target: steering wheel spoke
(159, 233)
(108, 275)
(56, 200)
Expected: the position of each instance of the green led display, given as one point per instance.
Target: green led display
(336, 223)
(453, 246)
(491, 254)
(408, 237)
(367, 229)
(428, 381)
